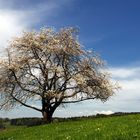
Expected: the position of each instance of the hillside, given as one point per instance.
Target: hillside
(108, 128)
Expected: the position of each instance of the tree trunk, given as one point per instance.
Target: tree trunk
(47, 110)
(47, 116)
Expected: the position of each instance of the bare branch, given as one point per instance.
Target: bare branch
(76, 101)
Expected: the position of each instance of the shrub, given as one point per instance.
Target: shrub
(27, 121)
(36, 122)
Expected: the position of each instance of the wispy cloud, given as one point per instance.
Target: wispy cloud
(16, 19)
(129, 79)
(11, 24)
(128, 98)
(125, 72)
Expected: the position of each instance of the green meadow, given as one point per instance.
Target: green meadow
(108, 128)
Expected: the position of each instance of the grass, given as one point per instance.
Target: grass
(109, 128)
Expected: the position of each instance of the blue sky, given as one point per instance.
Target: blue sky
(110, 27)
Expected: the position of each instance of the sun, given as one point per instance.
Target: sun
(10, 26)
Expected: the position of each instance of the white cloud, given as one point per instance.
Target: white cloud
(129, 80)
(131, 85)
(128, 98)
(128, 72)
(108, 112)
(13, 21)
(10, 25)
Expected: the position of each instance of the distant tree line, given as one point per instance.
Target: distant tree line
(40, 121)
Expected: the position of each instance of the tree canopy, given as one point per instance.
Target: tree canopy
(51, 67)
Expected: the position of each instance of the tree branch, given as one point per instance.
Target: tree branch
(19, 101)
(19, 83)
(65, 102)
